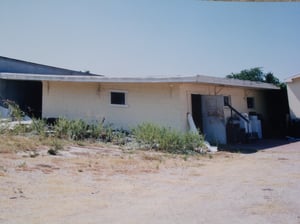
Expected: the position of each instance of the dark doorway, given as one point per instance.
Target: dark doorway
(197, 111)
(27, 94)
(275, 124)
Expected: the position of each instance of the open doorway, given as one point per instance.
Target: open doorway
(197, 111)
(27, 94)
(208, 115)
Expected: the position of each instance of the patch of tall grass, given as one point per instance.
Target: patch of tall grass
(152, 136)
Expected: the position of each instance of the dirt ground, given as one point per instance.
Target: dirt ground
(111, 185)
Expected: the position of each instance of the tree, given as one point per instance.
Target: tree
(256, 74)
(253, 74)
(270, 78)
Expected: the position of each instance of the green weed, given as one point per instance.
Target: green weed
(152, 136)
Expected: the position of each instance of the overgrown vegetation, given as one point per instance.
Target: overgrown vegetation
(145, 136)
(151, 136)
(15, 112)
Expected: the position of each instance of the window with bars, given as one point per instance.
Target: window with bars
(118, 98)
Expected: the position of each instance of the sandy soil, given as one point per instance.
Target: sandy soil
(108, 185)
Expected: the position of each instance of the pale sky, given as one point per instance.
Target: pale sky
(153, 37)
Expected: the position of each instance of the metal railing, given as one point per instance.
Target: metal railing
(237, 112)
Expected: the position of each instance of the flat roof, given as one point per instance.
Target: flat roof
(156, 79)
(291, 78)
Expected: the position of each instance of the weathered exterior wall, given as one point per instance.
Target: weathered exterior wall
(293, 90)
(156, 103)
(161, 103)
(238, 97)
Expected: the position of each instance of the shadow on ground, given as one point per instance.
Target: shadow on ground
(254, 146)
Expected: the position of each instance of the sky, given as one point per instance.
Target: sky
(153, 37)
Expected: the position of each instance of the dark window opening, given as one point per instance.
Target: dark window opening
(117, 98)
(227, 100)
(250, 102)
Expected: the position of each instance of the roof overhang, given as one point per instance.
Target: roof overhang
(292, 78)
(175, 79)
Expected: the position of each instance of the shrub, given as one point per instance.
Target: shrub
(62, 128)
(78, 130)
(151, 136)
(15, 112)
(147, 134)
(39, 127)
(19, 129)
(193, 141)
(70, 129)
(170, 140)
(96, 131)
(4, 127)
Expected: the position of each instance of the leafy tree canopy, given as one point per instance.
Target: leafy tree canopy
(256, 74)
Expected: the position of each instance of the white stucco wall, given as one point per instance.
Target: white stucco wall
(293, 91)
(156, 103)
(71, 100)
(161, 103)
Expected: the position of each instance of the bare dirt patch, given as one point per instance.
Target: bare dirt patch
(111, 185)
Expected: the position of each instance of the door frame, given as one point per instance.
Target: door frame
(200, 104)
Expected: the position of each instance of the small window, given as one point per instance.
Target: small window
(250, 102)
(117, 98)
(227, 100)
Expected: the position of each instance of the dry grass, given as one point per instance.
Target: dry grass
(90, 156)
(15, 143)
(111, 161)
(118, 164)
(152, 157)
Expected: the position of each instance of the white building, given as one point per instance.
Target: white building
(127, 102)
